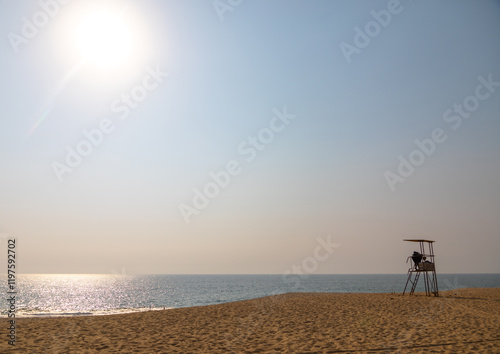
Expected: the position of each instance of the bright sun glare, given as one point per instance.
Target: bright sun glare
(104, 40)
(103, 43)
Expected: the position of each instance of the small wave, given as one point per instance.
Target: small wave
(38, 313)
(60, 314)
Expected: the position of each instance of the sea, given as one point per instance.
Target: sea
(40, 295)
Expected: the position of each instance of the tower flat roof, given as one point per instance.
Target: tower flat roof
(419, 240)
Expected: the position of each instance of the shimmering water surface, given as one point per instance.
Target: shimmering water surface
(71, 295)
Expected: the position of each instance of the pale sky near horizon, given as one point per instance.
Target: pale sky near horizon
(205, 84)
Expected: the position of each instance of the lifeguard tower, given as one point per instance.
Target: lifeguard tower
(422, 263)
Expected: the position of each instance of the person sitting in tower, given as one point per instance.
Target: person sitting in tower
(417, 258)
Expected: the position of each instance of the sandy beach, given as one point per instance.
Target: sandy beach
(462, 320)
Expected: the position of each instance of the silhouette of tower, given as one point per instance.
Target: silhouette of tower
(422, 263)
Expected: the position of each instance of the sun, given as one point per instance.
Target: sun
(104, 43)
(105, 40)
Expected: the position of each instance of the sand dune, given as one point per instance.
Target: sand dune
(463, 320)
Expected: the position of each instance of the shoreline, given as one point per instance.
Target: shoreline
(123, 311)
(465, 319)
(96, 313)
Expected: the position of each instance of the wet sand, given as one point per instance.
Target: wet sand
(462, 320)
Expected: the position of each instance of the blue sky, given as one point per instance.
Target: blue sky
(322, 175)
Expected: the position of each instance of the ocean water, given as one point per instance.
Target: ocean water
(94, 294)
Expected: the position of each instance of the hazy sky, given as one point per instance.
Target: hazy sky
(310, 108)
